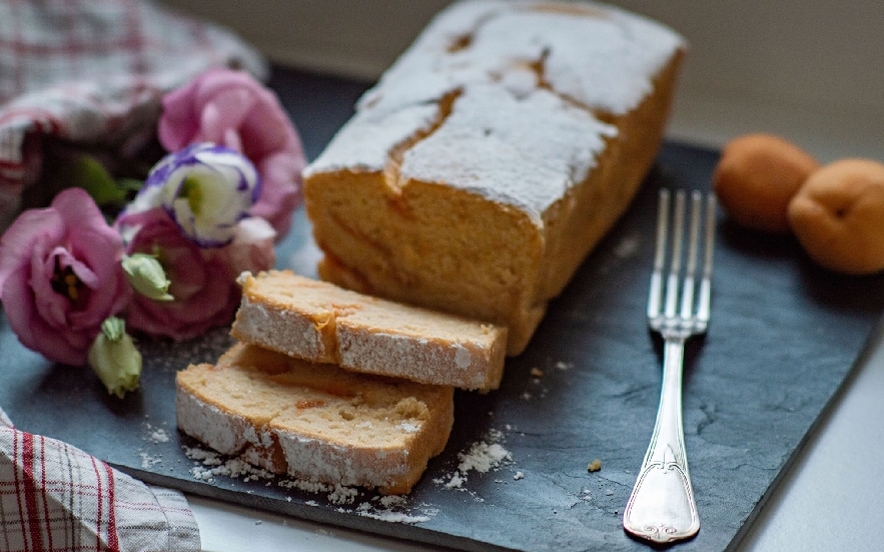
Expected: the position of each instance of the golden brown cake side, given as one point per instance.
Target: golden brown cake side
(493, 156)
(321, 322)
(315, 422)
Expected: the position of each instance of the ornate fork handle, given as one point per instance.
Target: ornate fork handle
(661, 507)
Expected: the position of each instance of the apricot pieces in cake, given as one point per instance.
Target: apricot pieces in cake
(838, 216)
(757, 176)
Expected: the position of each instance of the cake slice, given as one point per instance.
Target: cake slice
(493, 156)
(312, 421)
(321, 322)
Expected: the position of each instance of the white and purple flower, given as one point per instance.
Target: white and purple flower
(205, 188)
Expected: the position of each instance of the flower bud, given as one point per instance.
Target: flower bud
(115, 359)
(206, 189)
(147, 277)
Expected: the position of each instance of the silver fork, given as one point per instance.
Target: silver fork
(661, 507)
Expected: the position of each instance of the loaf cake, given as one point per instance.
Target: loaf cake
(321, 322)
(489, 160)
(315, 422)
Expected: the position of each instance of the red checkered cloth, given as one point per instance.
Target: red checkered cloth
(93, 72)
(54, 497)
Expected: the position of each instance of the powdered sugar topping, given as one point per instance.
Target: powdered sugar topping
(528, 82)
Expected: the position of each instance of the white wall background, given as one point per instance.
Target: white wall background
(812, 71)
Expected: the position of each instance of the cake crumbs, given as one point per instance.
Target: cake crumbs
(455, 482)
(392, 500)
(393, 517)
(594, 466)
(343, 495)
(392, 508)
(156, 435)
(213, 465)
(482, 457)
(148, 461)
(536, 372)
(519, 475)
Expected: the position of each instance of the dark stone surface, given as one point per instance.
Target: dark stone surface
(783, 339)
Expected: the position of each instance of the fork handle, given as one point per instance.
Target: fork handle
(661, 507)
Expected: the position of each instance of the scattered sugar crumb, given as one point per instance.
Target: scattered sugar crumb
(306, 486)
(155, 435)
(213, 465)
(519, 475)
(393, 508)
(594, 466)
(147, 461)
(608, 492)
(207, 457)
(394, 517)
(159, 435)
(562, 365)
(526, 396)
(393, 500)
(456, 481)
(343, 495)
(483, 457)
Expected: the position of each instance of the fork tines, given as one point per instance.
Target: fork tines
(680, 303)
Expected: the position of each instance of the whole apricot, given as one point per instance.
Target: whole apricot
(756, 177)
(838, 216)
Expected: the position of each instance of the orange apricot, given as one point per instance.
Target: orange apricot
(838, 216)
(756, 177)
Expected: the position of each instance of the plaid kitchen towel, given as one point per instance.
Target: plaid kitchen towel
(93, 72)
(54, 497)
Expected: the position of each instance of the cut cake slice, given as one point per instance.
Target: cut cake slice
(315, 422)
(321, 322)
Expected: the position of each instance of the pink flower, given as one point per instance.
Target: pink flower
(203, 279)
(60, 276)
(232, 109)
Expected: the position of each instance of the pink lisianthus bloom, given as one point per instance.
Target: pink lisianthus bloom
(60, 276)
(232, 109)
(203, 280)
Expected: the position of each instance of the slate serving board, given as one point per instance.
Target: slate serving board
(784, 337)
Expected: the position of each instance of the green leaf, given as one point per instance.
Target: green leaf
(89, 174)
